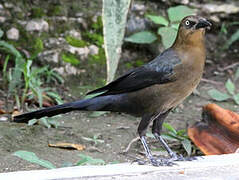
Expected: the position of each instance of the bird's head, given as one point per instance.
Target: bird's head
(192, 29)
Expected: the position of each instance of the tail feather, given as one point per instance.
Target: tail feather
(93, 104)
(51, 111)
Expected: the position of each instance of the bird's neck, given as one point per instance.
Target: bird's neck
(190, 41)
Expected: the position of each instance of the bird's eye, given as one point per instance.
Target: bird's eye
(187, 22)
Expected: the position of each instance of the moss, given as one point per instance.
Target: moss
(98, 58)
(98, 25)
(37, 12)
(75, 42)
(37, 46)
(56, 10)
(70, 58)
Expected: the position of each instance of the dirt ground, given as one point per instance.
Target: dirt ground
(117, 130)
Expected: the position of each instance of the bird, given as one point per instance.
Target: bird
(149, 91)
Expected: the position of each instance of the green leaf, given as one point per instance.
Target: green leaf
(169, 137)
(143, 37)
(88, 160)
(233, 38)
(236, 98)
(75, 42)
(230, 86)
(217, 95)
(236, 74)
(187, 146)
(150, 135)
(56, 97)
(32, 122)
(168, 36)
(114, 17)
(170, 128)
(45, 122)
(175, 25)
(1, 33)
(70, 58)
(158, 19)
(97, 114)
(31, 157)
(177, 13)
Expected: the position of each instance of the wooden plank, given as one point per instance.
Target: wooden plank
(208, 167)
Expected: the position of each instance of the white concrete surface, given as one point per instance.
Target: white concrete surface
(207, 168)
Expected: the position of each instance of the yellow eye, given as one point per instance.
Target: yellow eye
(187, 22)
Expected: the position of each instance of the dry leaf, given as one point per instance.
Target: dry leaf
(218, 132)
(78, 147)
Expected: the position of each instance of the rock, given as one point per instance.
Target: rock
(74, 34)
(39, 25)
(8, 5)
(136, 23)
(93, 49)
(138, 7)
(223, 8)
(83, 52)
(70, 70)
(13, 34)
(50, 55)
(2, 19)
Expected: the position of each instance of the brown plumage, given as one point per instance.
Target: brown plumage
(152, 90)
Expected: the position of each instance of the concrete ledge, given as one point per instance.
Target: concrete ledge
(209, 167)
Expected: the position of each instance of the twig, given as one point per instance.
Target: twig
(129, 145)
(228, 67)
(211, 81)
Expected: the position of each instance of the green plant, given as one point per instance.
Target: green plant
(88, 160)
(32, 157)
(75, 42)
(178, 136)
(231, 91)
(114, 17)
(47, 122)
(234, 37)
(33, 77)
(70, 58)
(167, 29)
(94, 139)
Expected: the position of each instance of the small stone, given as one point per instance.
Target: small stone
(13, 34)
(3, 118)
(70, 70)
(37, 25)
(50, 56)
(74, 34)
(8, 5)
(93, 49)
(138, 7)
(2, 19)
(223, 8)
(83, 52)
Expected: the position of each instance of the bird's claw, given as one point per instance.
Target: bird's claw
(179, 157)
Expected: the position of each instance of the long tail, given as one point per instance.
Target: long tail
(94, 104)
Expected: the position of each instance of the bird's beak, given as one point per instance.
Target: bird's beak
(203, 23)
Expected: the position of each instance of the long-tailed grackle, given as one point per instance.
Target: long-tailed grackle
(152, 90)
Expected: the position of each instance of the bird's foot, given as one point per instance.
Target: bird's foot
(157, 162)
(179, 157)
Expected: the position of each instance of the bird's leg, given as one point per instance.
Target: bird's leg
(156, 129)
(146, 119)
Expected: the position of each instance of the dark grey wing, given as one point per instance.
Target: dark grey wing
(158, 71)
